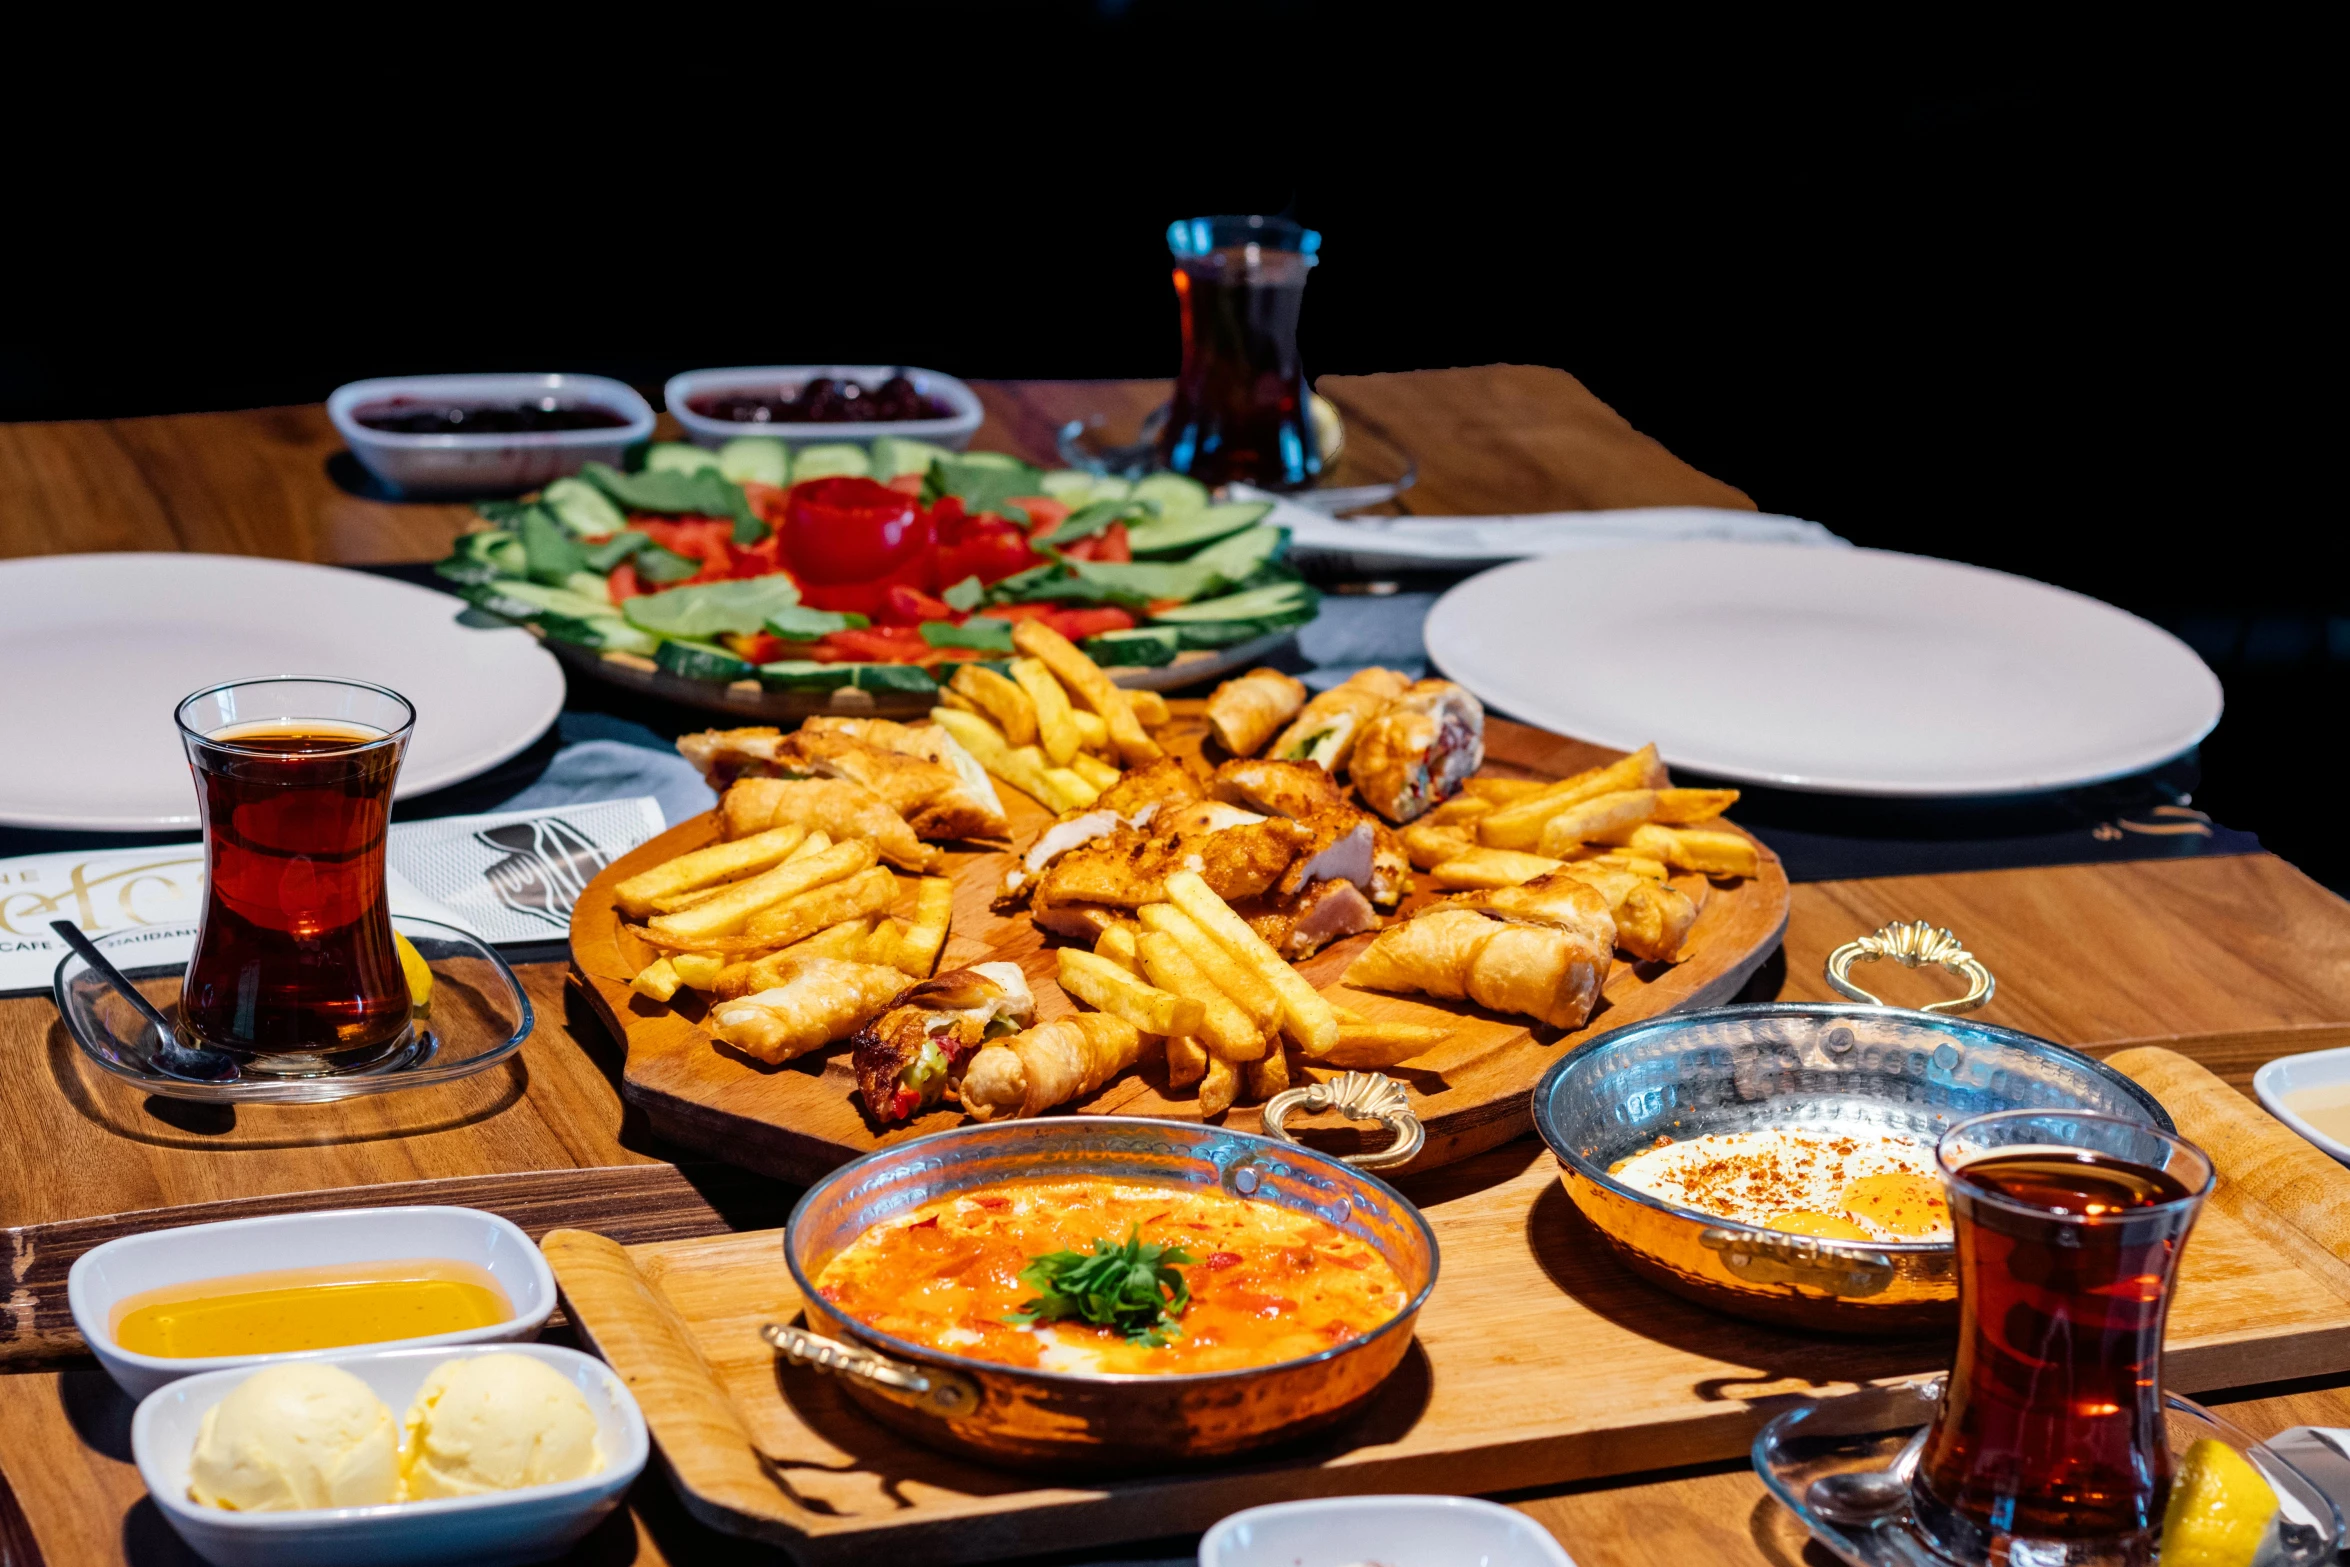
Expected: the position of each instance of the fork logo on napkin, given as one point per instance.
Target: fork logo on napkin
(547, 865)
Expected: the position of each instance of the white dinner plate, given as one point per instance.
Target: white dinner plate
(1843, 671)
(97, 650)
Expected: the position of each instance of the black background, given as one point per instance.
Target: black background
(2045, 303)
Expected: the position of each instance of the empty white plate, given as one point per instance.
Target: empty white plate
(98, 650)
(1842, 671)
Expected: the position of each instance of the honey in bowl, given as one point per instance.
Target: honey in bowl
(290, 1309)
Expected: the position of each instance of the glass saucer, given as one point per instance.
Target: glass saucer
(1864, 1431)
(1371, 468)
(478, 1016)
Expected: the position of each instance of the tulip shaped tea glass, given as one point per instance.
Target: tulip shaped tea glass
(2049, 1445)
(1240, 409)
(295, 971)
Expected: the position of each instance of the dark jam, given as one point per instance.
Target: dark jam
(824, 400)
(406, 416)
(2052, 1428)
(295, 953)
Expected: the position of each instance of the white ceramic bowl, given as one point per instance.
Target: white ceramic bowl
(106, 1274)
(510, 1526)
(489, 462)
(2288, 1074)
(954, 433)
(1340, 1531)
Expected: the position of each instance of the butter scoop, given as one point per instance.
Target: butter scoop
(296, 1436)
(495, 1423)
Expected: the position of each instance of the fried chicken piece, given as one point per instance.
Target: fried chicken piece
(1145, 791)
(1276, 788)
(1302, 924)
(1128, 869)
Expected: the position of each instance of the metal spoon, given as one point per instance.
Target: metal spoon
(178, 1060)
(1866, 1495)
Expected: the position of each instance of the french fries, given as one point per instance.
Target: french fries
(1266, 1076)
(1023, 767)
(733, 910)
(1056, 730)
(1502, 791)
(698, 873)
(1590, 821)
(1100, 774)
(1085, 681)
(1371, 1046)
(1150, 708)
(848, 939)
(920, 941)
(1219, 1085)
(1117, 944)
(1069, 788)
(870, 891)
(1485, 869)
(949, 697)
(1716, 853)
(1093, 733)
(1223, 1027)
(1680, 807)
(1244, 985)
(1519, 824)
(1461, 808)
(1305, 1016)
(1002, 700)
(1187, 1061)
(1430, 846)
(697, 970)
(657, 979)
(1100, 983)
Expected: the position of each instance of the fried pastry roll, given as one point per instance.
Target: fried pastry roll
(1247, 712)
(1420, 751)
(819, 1001)
(848, 811)
(906, 1058)
(969, 809)
(1326, 731)
(1541, 951)
(1048, 1065)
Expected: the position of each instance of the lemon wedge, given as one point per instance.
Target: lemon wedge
(2219, 1509)
(418, 972)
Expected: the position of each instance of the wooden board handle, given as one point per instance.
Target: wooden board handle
(640, 1335)
(2284, 1189)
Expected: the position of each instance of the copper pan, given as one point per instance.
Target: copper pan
(1008, 1413)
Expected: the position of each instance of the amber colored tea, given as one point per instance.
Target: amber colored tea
(295, 953)
(1240, 405)
(2052, 1427)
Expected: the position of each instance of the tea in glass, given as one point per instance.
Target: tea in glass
(295, 970)
(1241, 405)
(2050, 1439)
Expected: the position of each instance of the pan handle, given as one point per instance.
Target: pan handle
(1359, 1096)
(931, 1389)
(1847, 1272)
(1912, 943)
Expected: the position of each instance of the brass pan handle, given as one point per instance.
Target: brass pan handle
(1767, 1257)
(1359, 1096)
(931, 1389)
(1911, 944)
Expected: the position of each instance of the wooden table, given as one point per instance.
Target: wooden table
(2232, 961)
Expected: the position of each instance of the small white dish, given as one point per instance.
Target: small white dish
(528, 1525)
(2287, 1075)
(1341, 1531)
(491, 461)
(105, 1275)
(954, 432)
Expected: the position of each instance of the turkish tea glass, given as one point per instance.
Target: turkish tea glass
(2048, 1446)
(295, 971)
(1241, 407)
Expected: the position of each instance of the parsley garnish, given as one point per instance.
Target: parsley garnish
(1133, 1287)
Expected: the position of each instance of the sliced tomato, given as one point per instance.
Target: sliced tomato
(1044, 513)
(623, 582)
(1109, 544)
(990, 553)
(767, 501)
(906, 484)
(760, 647)
(874, 645)
(902, 605)
(691, 537)
(1078, 624)
(762, 559)
(717, 561)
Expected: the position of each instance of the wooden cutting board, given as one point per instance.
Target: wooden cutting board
(1540, 1360)
(801, 1119)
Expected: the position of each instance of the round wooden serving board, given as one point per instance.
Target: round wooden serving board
(799, 1120)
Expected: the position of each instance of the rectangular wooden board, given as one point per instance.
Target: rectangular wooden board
(1540, 1360)
(799, 1120)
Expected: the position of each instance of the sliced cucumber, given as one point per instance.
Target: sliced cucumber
(1072, 486)
(1190, 529)
(1278, 598)
(604, 633)
(591, 584)
(529, 600)
(677, 457)
(1142, 581)
(835, 460)
(703, 661)
(485, 556)
(1173, 492)
(1106, 488)
(1208, 635)
(582, 508)
(1004, 460)
(802, 675)
(895, 456)
(1235, 557)
(1145, 647)
(756, 459)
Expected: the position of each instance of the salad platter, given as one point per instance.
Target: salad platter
(776, 581)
